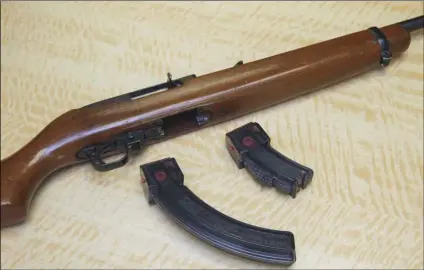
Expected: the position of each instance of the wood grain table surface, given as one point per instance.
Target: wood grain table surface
(363, 137)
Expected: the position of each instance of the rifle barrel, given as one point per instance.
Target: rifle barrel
(413, 24)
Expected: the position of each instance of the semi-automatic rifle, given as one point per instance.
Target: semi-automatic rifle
(129, 122)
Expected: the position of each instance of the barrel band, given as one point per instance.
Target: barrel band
(386, 54)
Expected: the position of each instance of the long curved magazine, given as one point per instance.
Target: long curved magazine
(163, 183)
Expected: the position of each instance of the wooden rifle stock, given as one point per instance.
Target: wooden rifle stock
(193, 104)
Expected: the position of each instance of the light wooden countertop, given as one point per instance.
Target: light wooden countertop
(363, 137)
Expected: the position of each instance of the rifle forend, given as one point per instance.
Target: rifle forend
(131, 121)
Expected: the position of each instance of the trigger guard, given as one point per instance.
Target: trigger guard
(99, 164)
